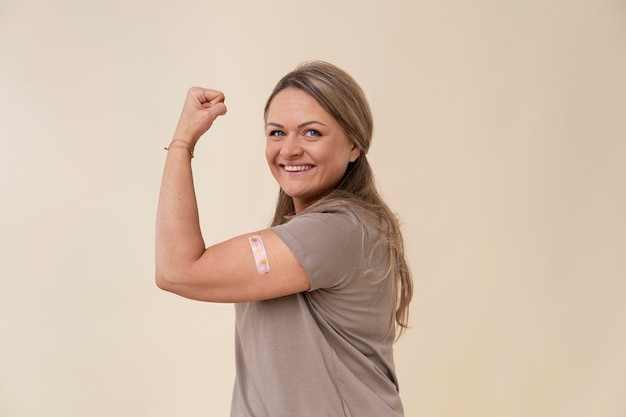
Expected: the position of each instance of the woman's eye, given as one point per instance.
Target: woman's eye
(276, 133)
(312, 133)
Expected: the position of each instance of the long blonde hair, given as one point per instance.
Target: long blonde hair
(339, 94)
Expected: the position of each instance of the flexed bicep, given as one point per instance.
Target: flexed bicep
(251, 267)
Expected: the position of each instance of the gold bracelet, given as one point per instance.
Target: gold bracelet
(167, 148)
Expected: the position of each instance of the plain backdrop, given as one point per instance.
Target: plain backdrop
(500, 142)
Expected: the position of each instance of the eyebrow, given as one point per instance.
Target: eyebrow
(301, 125)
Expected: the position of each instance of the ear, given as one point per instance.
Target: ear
(355, 152)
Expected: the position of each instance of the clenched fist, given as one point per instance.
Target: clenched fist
(202, 106)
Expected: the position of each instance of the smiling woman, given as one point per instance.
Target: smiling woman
(319, 295)
(307, 150)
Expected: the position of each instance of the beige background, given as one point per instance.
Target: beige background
(500, 141)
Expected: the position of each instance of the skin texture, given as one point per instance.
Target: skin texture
(306, 149)
(300, 133)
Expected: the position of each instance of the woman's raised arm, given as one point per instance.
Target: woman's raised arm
(226, 272)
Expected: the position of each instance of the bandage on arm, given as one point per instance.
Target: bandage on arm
(260, 257)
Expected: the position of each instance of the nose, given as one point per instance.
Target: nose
(291, 147)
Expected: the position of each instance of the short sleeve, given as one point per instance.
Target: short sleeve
(330, 245)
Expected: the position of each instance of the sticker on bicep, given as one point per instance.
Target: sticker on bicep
(260, 257)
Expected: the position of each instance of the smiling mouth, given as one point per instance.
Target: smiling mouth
(297, 168)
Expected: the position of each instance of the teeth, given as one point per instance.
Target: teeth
(297, 168)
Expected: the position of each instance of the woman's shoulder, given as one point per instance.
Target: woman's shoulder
(346, 220)
(350, 209)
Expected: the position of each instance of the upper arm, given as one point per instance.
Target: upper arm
(227, 272)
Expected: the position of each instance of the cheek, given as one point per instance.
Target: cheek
(271, 152)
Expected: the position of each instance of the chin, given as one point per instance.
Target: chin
(295, 194)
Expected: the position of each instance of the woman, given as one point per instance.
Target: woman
(319, 295)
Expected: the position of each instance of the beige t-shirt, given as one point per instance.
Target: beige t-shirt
(324, 352)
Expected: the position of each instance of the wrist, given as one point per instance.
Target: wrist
(179, 143)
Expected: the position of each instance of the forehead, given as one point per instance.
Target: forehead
(295, 102)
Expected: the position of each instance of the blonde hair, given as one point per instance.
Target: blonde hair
(339, 94)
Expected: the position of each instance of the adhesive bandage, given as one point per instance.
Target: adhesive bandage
(260, 257)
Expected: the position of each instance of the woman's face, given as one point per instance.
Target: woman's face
(306, 149)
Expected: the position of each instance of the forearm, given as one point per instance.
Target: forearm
(179, 240)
